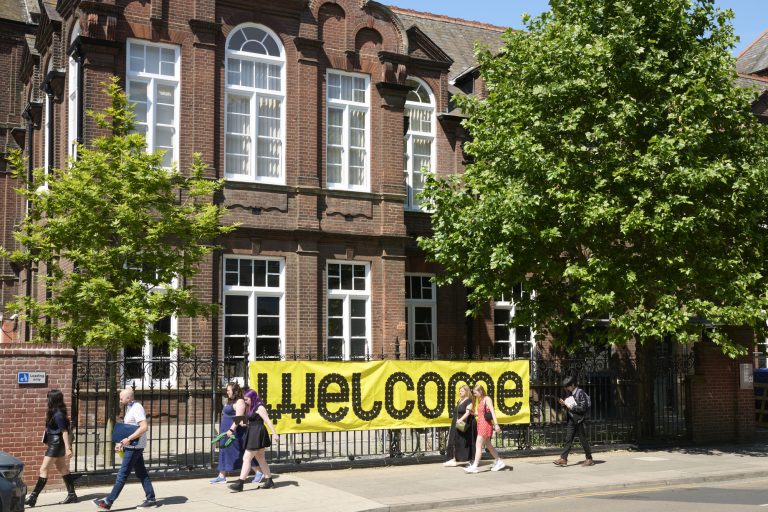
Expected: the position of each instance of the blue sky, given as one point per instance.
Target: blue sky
(750, 21)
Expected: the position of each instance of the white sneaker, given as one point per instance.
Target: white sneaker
(471, 469)
(258, 477)
(450, 463)
(499, 465)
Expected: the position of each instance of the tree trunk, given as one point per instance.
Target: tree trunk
(646, 366)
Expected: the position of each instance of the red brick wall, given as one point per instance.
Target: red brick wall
(721, 412)
(24, 405)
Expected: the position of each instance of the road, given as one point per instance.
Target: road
(734, 496)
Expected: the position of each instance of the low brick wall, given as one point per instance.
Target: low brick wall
(24, 406)
(721, 411)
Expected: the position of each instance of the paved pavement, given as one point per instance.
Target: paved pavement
(426, 486)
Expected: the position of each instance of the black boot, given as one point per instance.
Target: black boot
(32, 498)
(268, 484)
(237, 485)
(69, 481)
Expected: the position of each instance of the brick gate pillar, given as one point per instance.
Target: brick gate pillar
(721, 412)
(24, 406)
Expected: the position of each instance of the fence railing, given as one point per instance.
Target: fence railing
(184, 399)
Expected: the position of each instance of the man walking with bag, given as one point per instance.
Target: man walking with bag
(133, 458)
(577, 404)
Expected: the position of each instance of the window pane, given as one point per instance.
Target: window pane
(523, 350)
(523, 333)
(335, 348)
(152, 62)
(423, 332)
(423, 315)
(358, 327)
(268, 348)
(259, 273)
(236, 305)
(267, 326)
(268, 306)
(335, 307)
(357, 348)
(346, 277)
(501, 349)
(422, 350)
(501, 316)
(335, 327)
(246, 272)
(501, 333)
(358, 308)
(234, 325)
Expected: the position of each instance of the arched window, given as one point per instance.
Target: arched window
(254, 124)
(419, 146)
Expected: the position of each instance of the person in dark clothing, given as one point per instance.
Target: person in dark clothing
(257, 440)
(59, 451)
(577, 404)
(461, 443)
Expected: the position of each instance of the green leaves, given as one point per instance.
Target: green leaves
(118, 238)
(619, 172)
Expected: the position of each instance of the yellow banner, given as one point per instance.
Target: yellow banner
(323, 396)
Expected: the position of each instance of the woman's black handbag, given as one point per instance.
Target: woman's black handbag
(45, 437)
(488, 416)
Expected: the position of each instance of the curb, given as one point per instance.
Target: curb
(559, 493)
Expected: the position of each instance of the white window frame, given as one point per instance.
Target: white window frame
(411, 202)
(347, 296)
(73, 114)
(254, 94)
(348, 106)
(410, 307)
(511, 305)
(152, 80)
(253, 293)
(147, 355)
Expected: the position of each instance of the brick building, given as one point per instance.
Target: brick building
(319, 115)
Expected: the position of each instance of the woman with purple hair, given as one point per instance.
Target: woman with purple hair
(256, 441)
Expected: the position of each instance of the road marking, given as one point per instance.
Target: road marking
(651, 459)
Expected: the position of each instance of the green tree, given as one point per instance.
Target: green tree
(618, 172)
(120, 235)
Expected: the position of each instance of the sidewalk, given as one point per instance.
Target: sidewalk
(431, 486)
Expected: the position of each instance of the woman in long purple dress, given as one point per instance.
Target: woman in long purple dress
(231, 457)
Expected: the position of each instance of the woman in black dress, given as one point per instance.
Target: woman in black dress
(256, 441)
(461, 444)
(59, 450)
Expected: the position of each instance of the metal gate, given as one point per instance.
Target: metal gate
(183, 400)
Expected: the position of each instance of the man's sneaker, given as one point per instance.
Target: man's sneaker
(450, 463)
(218, 480)
(258, 477)
(561, 462)
(102, 504)
(587, 463)
(499, 465)
(148, 504)
(471, 469)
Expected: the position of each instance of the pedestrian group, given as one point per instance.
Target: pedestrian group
(244, 435)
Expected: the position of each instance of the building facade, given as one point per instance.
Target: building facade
(319, 115)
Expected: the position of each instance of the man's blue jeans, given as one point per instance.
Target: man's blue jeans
(133, 460)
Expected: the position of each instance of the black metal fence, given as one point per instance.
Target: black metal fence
(183, 398)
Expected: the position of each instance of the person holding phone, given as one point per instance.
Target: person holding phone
(257, 440)
(486, 425)
(59, 451)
